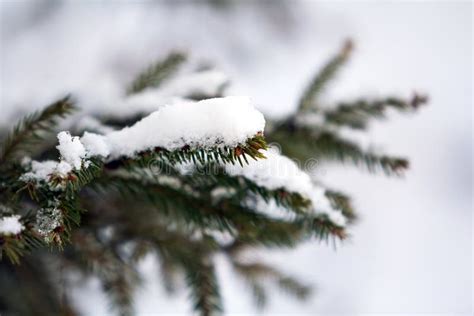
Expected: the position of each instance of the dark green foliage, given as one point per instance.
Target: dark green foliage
(32, 288)
(226, 154)
(202, 281)
(116, 213)
(154, 75)
(15, 246)
(65, 199)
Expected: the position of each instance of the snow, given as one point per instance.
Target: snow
(208, 82)
(74, 152)
(277, 172)
(11, 225)
(95, 145)
(147, 101)
(171, 182)
(71, 149)
(219, 193)
(92, 124)
(41, 171)
(212, 122)
(175, 90)
(63, 168)
(144, 102)
(224, 121)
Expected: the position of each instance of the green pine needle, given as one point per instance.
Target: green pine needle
(31, 129)
(357, 114)
(324, 76)
(157, 73)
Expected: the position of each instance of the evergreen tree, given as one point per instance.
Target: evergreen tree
(189, 181)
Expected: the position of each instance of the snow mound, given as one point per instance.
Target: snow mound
(224, 121)
(280, 172)
(11, 225)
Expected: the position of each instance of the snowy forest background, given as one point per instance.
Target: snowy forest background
(411, 252)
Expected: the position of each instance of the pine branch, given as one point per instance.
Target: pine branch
(226, 154)
(202, 281)
(31, 129)
(357, 114)
(59, 206)
(119, 279)
(157, 73)
(249, 227)
(342, 202)
(324, 76)
(194, 256)
(330, 146)
(304, 143)
(64, 189)
(35, 291)
(177, 204)
(16, 246)
(278, 233)
(212, 177)
(171, 214)
(256, 274)
(169, 274)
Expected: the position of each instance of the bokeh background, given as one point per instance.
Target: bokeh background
(411, 252)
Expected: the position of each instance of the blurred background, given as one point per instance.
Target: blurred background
(411, 252)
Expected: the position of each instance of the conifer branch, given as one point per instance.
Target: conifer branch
(143, 199)
(66, 212)
(118, 278)
(252, 228)
(16, 246)
(343, 203)
(36, 290)
(357, 114)
(212, 177)
(324, 76)
(59, 207)
(169, 274)
(194, 256)
(257, 274)
(157, 73)
(305, 143)
(30, 130)
(251, 149)
(329, 146)
(179, 205)
(202, 281)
